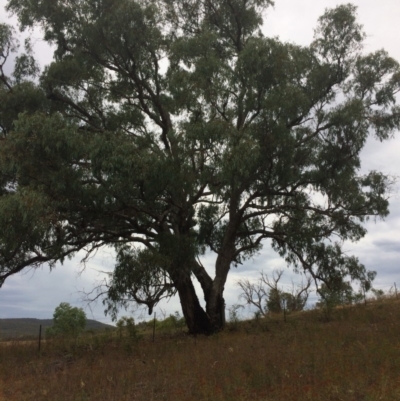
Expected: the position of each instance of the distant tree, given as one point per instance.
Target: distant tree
(166, 129)
(334, 296)
(234, 313)
(337, 292)
(266, 295)
(126, 326)
(378, 294)
(296, 300)
(68, 321)
(172, 322)
(254, 293)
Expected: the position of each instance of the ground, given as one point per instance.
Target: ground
(353, 354)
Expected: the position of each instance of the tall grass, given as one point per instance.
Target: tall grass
(355, 356)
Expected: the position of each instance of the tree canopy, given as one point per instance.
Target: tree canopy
(67, 321)
(169, 129)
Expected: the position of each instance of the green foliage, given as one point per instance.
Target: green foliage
(68, 321)
(378, 294)
(172, 323)
(127, 325)
(341, 293)
(295, 303)
(127, 332)
(274, 302)
(279, 300)
(167, 129)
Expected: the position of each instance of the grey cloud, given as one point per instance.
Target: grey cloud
(388, 245)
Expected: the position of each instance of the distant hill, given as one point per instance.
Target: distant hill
(27, 327)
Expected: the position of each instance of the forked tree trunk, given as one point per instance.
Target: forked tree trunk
(195, 316)
(197, 319)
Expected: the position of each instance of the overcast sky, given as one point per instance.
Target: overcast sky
(35, 294)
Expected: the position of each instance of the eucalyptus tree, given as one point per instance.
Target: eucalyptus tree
(67, 321)
(168, 129)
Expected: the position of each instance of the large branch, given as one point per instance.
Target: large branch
(202, 276)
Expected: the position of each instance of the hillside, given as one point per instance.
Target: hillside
(352, 354)
(27, 327)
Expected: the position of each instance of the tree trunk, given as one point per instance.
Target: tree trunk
(215, 303)
(215, 307)
(196, 318)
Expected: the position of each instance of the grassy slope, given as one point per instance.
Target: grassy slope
(353, 357)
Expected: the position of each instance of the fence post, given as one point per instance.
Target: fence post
(284, 310)
(154, 326)
(40, 336)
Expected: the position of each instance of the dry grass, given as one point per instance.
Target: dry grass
(354, 357)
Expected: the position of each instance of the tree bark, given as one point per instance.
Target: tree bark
(197, 320)
(215, 307)
(215, 303)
